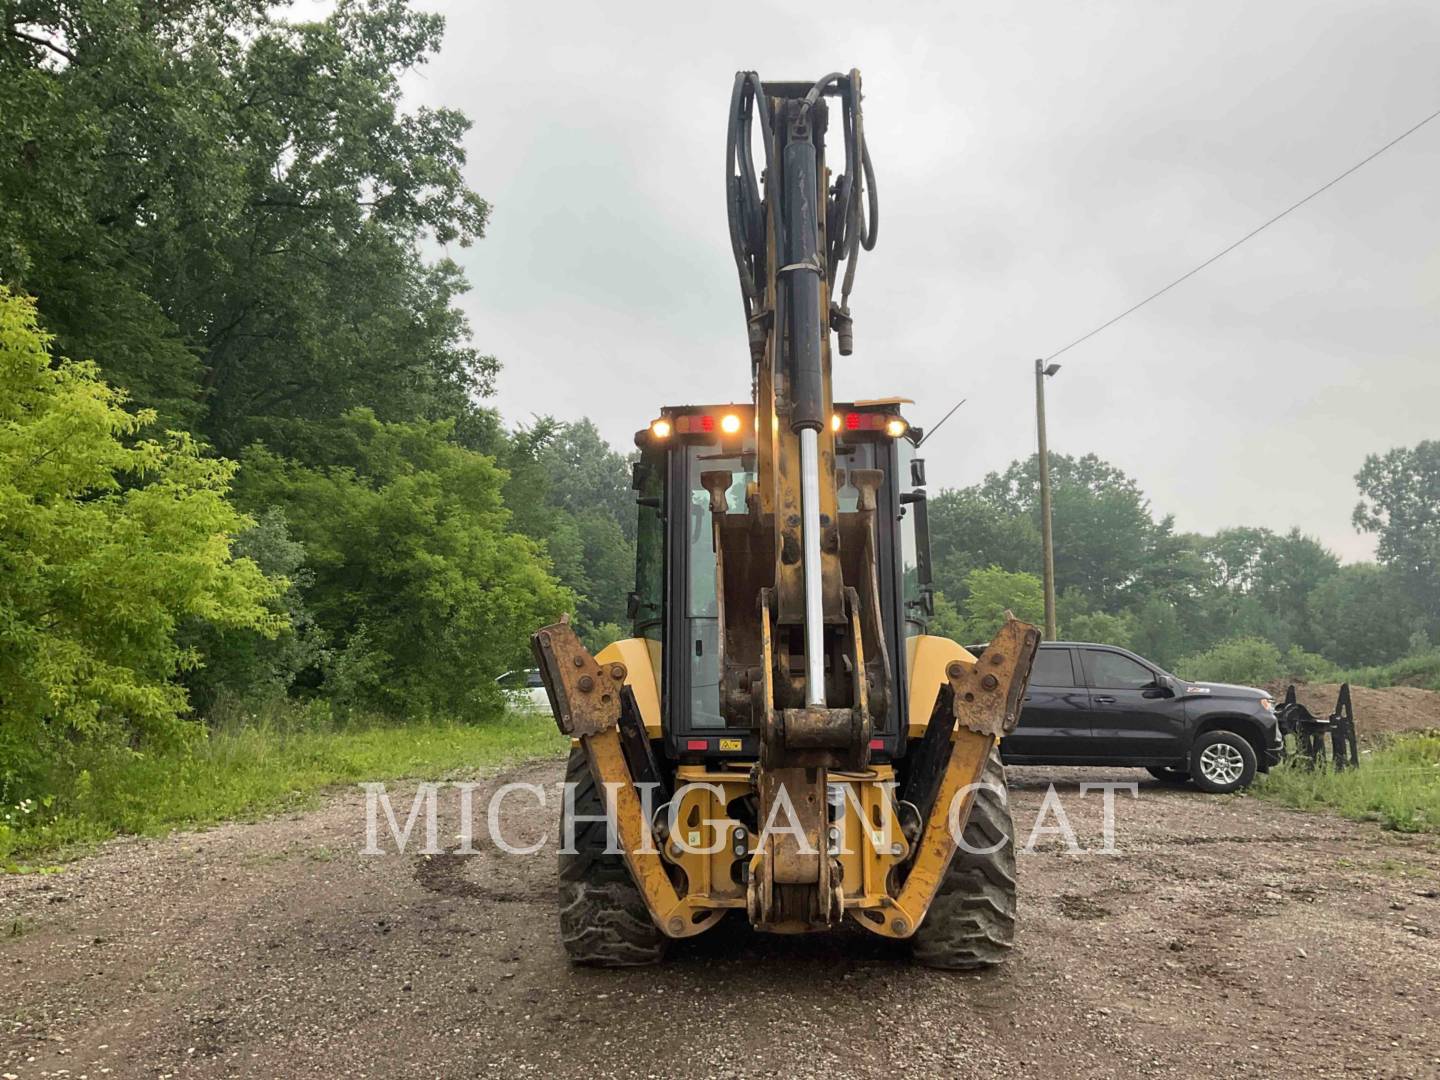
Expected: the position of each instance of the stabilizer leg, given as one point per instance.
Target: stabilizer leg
(586, 699)
(987, 695)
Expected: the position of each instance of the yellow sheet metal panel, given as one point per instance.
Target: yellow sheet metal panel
(640, 675)
(926, 658)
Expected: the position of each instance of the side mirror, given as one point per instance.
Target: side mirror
(1162, 687)
(925, 602)
(632, 605)
(917, 472)
(639, 474)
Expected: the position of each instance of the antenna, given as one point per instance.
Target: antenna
(942, 420)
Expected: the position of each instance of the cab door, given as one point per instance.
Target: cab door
(1055, 717)
(1133, 717)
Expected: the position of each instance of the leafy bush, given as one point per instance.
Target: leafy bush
(247, 669)
(1247, 661)
(410, 542)
(109, 542)
(1421, 669)
(947, 620)
(1100, 626)
(992, 592)
(1297, 665)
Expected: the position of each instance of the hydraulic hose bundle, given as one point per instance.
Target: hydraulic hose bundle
(852, 211)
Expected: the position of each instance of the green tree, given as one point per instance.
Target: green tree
(249, 668)
(1159, 634)
(970, 532)
(585, 475)
(1259, 584)
(1400, 503)
(1234, 556)
(571, 492)
(1100, 626)
(1363, 614)
(947, 621)
(1102, 522)
(110, 540)
(229, 208)
(991, 592)
(1289, 570)
(416, 564)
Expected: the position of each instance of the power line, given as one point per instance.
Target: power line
(1252, 233)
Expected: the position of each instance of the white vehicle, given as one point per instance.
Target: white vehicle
(526, 690)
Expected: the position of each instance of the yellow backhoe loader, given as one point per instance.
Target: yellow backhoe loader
(781, 736)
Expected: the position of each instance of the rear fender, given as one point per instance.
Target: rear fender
(926, 660)
(641, 660)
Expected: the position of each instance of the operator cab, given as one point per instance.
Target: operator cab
(674, 605)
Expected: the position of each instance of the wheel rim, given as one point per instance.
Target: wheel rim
(1221, 763)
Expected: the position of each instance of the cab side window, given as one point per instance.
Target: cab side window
(1052, 667)
(1111, 671)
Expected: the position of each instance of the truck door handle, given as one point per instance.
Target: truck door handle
(1104, 699)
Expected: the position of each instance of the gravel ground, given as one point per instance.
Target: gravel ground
(1227, 938)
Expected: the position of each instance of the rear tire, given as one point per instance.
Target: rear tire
(971, 923)
(1169, 774)
(1222, 762)
(603, 918)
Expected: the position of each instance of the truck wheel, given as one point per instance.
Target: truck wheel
(1168, 774)
(603, 918)
(1222, 762)
(971, 924)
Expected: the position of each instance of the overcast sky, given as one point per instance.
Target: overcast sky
(1040, 168)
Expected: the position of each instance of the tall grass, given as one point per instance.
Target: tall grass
(1420, 669)
(251, 765)
(1397, 784)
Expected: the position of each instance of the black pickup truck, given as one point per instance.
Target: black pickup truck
(1094, 704)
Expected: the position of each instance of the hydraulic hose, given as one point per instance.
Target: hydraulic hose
(852, 213)
(744, 209)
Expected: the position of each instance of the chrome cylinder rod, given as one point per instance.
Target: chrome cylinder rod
(810, 547)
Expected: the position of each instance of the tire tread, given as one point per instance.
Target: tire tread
(603, 918)
(971, 923)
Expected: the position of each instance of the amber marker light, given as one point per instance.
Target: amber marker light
(835, 421)
(660, 428)
(895, 427)
(730, 423)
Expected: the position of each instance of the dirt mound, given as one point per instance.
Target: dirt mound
(1377, 712)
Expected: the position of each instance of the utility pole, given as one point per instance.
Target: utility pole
(1047, 540)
